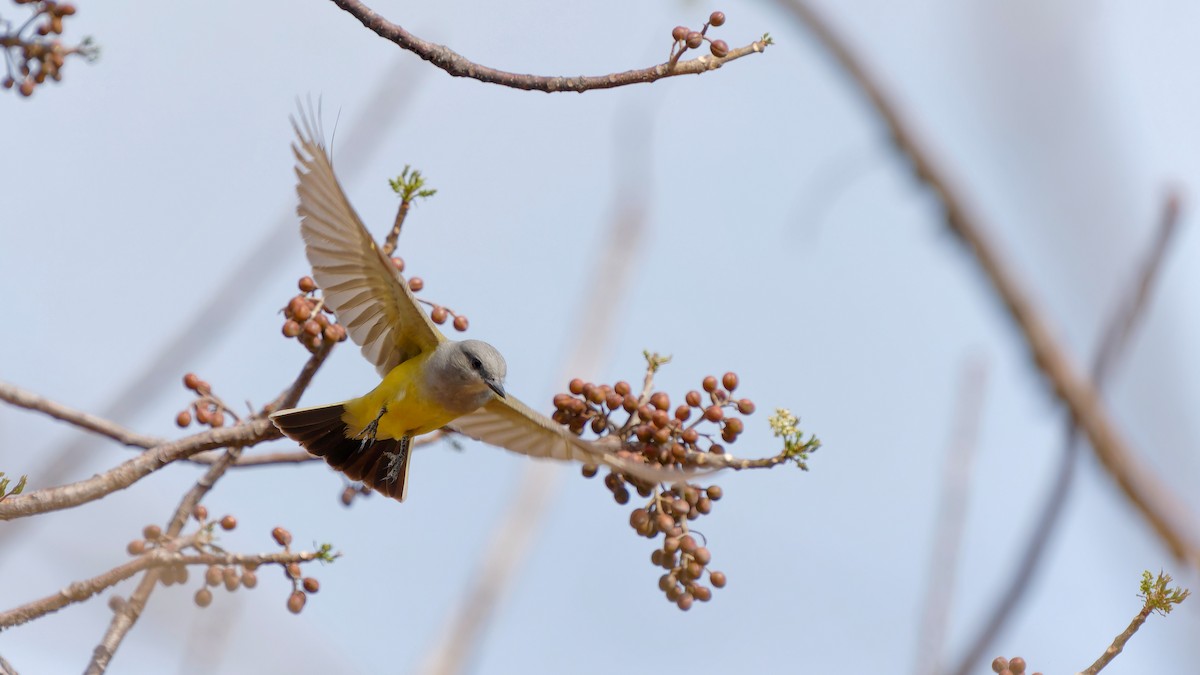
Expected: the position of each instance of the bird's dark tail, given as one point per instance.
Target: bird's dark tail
(381, 464)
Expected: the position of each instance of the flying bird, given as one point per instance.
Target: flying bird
(429, 381)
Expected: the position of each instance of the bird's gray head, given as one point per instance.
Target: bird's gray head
(465, 374)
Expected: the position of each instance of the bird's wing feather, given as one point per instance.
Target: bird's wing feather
(510, 424)
(360, 284)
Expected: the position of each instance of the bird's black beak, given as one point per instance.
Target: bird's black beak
(496, 387)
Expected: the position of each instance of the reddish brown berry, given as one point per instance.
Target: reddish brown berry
(622, 388)
(719, 48)
(200, 512)
(218, 418)
(152, 532)
(415, 284)
(231, 579)
(439, 315)
(660, 400)
(281, 536)
(461, 323)
(715, 492)
(735, 425)
(687, 544)
(311, 585)
(249, 579)
(709, 384)
(746, 406)
(307, 285)
(694, 39)
(589, 470)
(716, 19)
(203, 415)
(204, 597)
(1017, 665)
(729, 380)
(702, 555)
(714, 413)
(183, 419)
(690, 436)
(136, 547)
(213, 575)
(575, 386)
(398, 263)
(291, 328)
(685, 601)
(191, 381)
(680, 33)
(296, 602)
(228, 523)
(717, 579)
(293, 570)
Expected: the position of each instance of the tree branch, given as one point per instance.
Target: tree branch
(459, 66)
(1152, 498)
(31, 401)
(123, 475)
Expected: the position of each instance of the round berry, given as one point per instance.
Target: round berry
(296, 602)
(307, 285)
(281, 536)
(204, 597)
(694, 39)
(311, 585)
(719, 49)
(228, 523)
(183, 419)
(679, 33)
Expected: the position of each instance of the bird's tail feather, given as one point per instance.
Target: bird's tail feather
(321, 431)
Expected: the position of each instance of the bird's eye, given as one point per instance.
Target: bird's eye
(476, 363)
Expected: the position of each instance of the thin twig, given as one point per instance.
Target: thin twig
(31, 401)
(1150, 496)
(952, 512)
(159, 557)
(457, 65)
(128, 612)
(1112, 344)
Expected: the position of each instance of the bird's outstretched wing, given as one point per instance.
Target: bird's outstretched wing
(510, 424)
(365, 291)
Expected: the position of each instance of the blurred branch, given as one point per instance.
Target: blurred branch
(31, 401)
(459, 66)
(1115, 338)
(455, 645)
(1152, 498)
(952, 512)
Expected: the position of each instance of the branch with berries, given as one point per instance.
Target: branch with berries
(459, 66)
(32, 51)
(683, 439)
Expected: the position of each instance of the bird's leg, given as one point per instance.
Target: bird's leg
(396, 459)
(368, 433)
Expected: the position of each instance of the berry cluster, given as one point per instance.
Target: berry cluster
(207, 409)
(38, 59)
(307, 319)
(1013, 666)
(684, 559)
(685, 38)
(654, 433)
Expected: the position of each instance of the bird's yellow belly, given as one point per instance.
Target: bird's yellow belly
(410, 412)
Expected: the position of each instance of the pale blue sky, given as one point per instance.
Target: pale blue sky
(786, 240)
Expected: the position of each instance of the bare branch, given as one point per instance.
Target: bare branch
(459, 66)
(30, 401)
(1150, 496)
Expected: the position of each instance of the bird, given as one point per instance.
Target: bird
(429, 381)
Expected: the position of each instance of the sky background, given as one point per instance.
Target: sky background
(149, 203)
